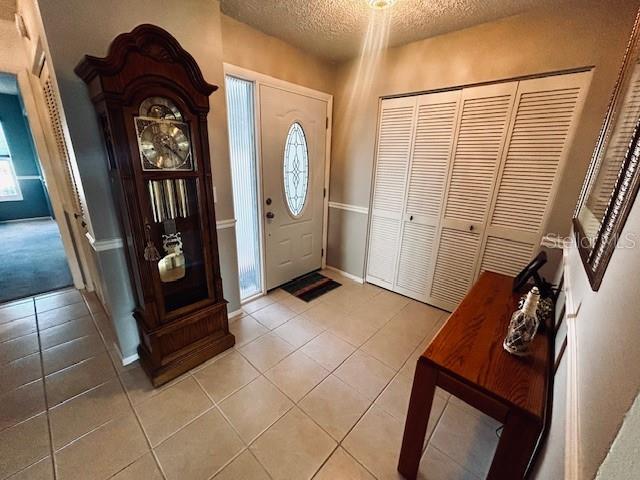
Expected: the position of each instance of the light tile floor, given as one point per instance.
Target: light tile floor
(315, 389)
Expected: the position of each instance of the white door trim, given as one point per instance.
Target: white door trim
(259, 79)
(37, 128)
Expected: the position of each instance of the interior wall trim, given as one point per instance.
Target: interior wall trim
(572, 434)
(125, 360)
(104, 245)
(115, 243)
(28, 177)
(228, 223)
(349, 208)
(355, 278)
(32, 219)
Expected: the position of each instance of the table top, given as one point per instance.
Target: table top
(469, 347)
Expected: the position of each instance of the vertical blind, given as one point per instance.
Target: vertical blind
(242, 146)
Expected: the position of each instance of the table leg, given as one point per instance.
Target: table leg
(515, 448)
(415, 427)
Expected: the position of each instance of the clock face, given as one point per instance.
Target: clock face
(159, 107)
(163, 136)
(165, 145)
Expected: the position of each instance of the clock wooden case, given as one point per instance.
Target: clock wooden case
(152, 103)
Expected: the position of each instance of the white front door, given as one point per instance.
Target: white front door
(293, 131)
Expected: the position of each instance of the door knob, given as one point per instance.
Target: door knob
(268, 201)
(471, 228)
(411, 218)
(270, 215)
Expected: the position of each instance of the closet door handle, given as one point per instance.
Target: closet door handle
(411, 218)
(471, 228)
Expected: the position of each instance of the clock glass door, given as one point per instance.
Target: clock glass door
(174, 237)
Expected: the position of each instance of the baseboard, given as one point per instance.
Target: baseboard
(125, 360)
(32, 219)
(355, 278)
(235, 313)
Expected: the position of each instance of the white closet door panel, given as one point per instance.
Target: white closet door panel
(394, 146)
(544, 116)
(395, 137)
(429, 165)
(435, 129)
(506, 256)
(483, 123)
(481, 131)
(414, 266)
(454, 269)
(383, 245)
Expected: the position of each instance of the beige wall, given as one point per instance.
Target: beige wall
(537, 42)
(246, 47)
(607, 345)
(622, 461)
(12, 56)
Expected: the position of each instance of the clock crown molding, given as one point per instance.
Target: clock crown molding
(150, 41)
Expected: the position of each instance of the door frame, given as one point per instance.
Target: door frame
(259, 79)
(55, 188)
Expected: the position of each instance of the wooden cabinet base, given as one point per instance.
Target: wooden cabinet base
(173, 349)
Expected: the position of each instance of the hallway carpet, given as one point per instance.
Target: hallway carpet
(32, 259)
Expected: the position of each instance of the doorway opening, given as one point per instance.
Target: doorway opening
(34, 259)
(280, 136)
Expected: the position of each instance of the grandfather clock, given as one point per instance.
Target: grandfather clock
(152, 103)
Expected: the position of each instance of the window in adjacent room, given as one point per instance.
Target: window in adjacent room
(9, 186)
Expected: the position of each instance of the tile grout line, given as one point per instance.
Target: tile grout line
(230, 424)
(331, 372)
(46, 398)
(373, 402)
(126, 393)
(455, 462)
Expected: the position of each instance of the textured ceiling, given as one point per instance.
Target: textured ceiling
(334, 29)
(7, 9)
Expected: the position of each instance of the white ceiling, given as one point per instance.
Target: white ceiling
(334, 29)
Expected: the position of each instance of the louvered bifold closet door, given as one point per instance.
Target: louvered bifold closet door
(395, 137)
(428, 168)
(482, 127)
(543, 123)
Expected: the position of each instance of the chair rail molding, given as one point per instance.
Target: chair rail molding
(228, 223)
(349, 208)
(117, 242)
(104, 245)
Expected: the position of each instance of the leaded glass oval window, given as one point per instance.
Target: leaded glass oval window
(296, 169)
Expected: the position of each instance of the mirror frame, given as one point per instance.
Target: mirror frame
(596, 256)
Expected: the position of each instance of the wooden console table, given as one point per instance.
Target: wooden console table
(467, 359)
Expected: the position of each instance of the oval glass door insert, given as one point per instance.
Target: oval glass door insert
(296, 169)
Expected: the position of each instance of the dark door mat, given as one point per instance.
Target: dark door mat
(310, 286)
